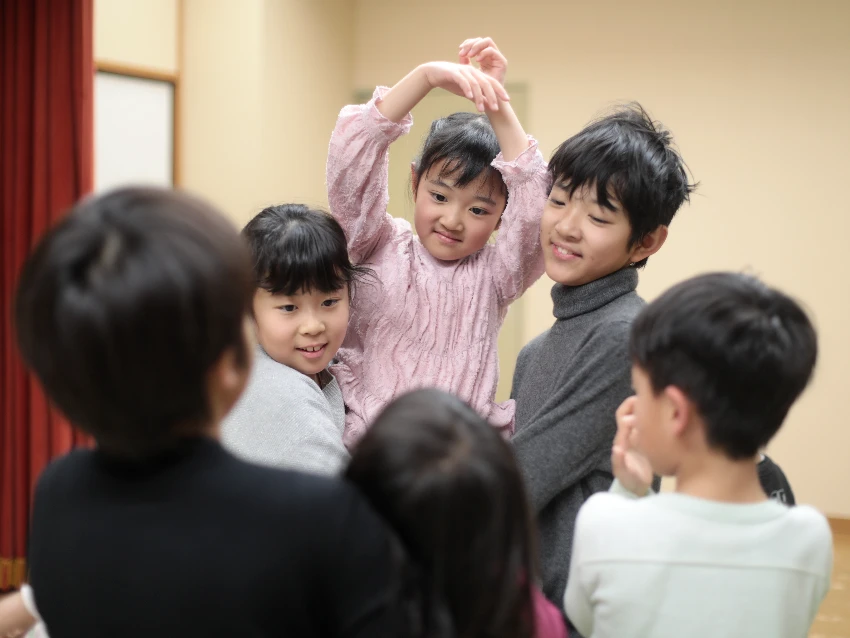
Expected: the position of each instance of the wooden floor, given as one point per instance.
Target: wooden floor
(833, 620)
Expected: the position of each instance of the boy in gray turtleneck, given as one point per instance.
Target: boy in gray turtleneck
(616, 186)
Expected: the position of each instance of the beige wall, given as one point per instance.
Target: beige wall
(757, 94)
(138, 33)
(262, 84)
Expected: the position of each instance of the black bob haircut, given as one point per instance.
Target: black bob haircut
(466, 144)
(125, 305)
(450, 487)
(631, 158)
(741, 351)
(295, 248)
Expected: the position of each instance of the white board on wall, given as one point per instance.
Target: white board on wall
(133, 131)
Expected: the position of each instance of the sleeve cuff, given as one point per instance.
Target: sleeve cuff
(528, 164)
(380, 125)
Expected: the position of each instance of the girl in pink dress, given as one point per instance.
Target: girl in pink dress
(432, 317)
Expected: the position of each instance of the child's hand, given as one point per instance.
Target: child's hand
(15, 620)
(487, 54)
(466, 81)
(630, 467)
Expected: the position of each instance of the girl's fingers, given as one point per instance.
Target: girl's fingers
(487, 86)
(474, 89)
(483, 82)
(463, 51)
(468, 43)
(477, 96)
(479, 45)
(461, 80)
(463, 55)
(490, 94)
(499, 91)
(490, 54)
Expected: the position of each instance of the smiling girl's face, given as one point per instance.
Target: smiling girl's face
(304, 330)
(453, 221)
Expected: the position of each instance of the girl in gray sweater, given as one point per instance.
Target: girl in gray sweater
(291, 415)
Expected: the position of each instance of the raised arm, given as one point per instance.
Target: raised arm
(517, 261)
(460, 79)
(512, 138)
(358, 156)
(357, 174)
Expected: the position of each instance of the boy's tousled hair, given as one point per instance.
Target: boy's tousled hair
(629, 157)
(466, 144)
(450, 487)
(295, 248)
(741, 351)
(123, 308)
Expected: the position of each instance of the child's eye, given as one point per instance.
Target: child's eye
(330, 303)
(556, 202)
(478, 211)
(599, 220)
(287, 307)
(439, 197)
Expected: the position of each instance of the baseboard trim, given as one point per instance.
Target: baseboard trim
(840, 525)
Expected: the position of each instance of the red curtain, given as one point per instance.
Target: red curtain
(46, 140)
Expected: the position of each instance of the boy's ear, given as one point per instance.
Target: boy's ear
(678, 409)
(649, 245)
(414, 183)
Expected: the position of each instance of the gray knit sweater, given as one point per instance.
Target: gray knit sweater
(568, 384)
(283, 419)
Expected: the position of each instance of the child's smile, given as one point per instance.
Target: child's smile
(564, 253)
(453, 221)
(302, 331)
(582, 241)
(313, 352)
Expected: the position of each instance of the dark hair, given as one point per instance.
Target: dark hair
(450, 487)
(741, 351)
(124, 306)
(294, 247)
(629, 156)
(467, 143)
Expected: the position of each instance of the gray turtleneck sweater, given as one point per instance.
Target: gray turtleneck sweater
(568, 384)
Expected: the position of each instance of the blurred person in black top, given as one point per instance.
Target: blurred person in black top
(132, 312)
